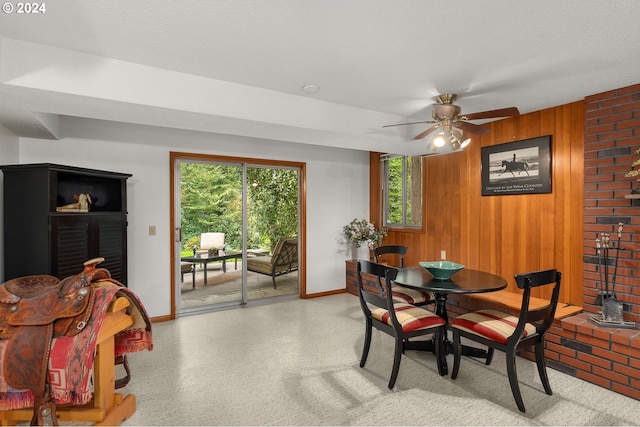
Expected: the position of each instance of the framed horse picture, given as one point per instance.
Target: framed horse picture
(521, 167)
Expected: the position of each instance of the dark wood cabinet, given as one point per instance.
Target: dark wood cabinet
(40, 240)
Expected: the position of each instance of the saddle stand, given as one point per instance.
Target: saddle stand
(33, 311)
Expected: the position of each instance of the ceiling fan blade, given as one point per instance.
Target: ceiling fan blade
(502, 112)
(426, 132)
(411, 123)
(471, 127)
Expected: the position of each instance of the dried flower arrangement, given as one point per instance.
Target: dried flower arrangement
(634, 172)
(362, 232)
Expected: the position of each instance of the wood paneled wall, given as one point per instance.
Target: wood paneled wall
(507, 234)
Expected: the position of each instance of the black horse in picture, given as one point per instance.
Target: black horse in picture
(515, 166)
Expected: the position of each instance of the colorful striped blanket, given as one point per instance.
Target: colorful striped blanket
(71, 358)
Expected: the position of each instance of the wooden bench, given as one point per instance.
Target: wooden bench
(513, 301)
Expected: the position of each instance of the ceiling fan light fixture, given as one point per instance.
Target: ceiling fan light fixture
(439, 140)
(458, 140)
(447, 116)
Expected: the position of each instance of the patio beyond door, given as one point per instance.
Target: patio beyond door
(239, 228)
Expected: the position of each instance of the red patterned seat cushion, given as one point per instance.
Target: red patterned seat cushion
(491, 324)
(411, 318)
(410, 296)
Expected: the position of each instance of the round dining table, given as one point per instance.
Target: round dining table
(465, 281)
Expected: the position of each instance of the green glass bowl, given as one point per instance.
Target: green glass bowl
(442, 270)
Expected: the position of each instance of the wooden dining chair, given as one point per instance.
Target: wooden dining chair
(398, 319)
(400, 293)
(505, 332)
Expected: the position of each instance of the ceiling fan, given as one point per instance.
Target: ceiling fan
(448, 117)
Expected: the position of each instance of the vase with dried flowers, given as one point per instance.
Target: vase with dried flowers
(361, 232)
(634, 172)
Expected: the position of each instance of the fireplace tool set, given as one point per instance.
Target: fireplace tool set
(611, 308)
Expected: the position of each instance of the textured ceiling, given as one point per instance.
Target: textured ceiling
(237, 67)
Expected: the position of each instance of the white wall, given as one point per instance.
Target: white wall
(337, 192)
(8, 156)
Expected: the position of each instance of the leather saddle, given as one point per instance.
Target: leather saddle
(33, 311)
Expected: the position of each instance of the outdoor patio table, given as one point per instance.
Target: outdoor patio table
(205, 259)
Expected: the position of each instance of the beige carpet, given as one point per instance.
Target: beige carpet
(295, 363)
(226, 287)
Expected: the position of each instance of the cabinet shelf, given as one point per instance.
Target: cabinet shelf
(40, 240)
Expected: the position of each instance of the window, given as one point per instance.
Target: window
(402, 190)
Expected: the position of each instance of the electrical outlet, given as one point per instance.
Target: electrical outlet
(152, 230)
(443, 255)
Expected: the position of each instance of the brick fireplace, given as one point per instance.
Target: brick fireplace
(609, 357)
(612, 134)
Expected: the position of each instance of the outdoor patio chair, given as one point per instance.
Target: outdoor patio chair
(211, 243)
(283, 260)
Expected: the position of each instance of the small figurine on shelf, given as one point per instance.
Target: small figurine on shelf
(82, 204)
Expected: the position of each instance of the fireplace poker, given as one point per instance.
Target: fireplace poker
(611, 308)
(599, 252)
(615, 268)
(605, 247)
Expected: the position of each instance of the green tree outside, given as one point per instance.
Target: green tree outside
(273, 205)
(211, 200)
(404, 190)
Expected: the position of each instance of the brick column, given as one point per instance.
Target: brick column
(612, 134)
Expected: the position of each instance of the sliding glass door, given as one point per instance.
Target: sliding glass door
(211, 221)
(237, 233)
(272, 231)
